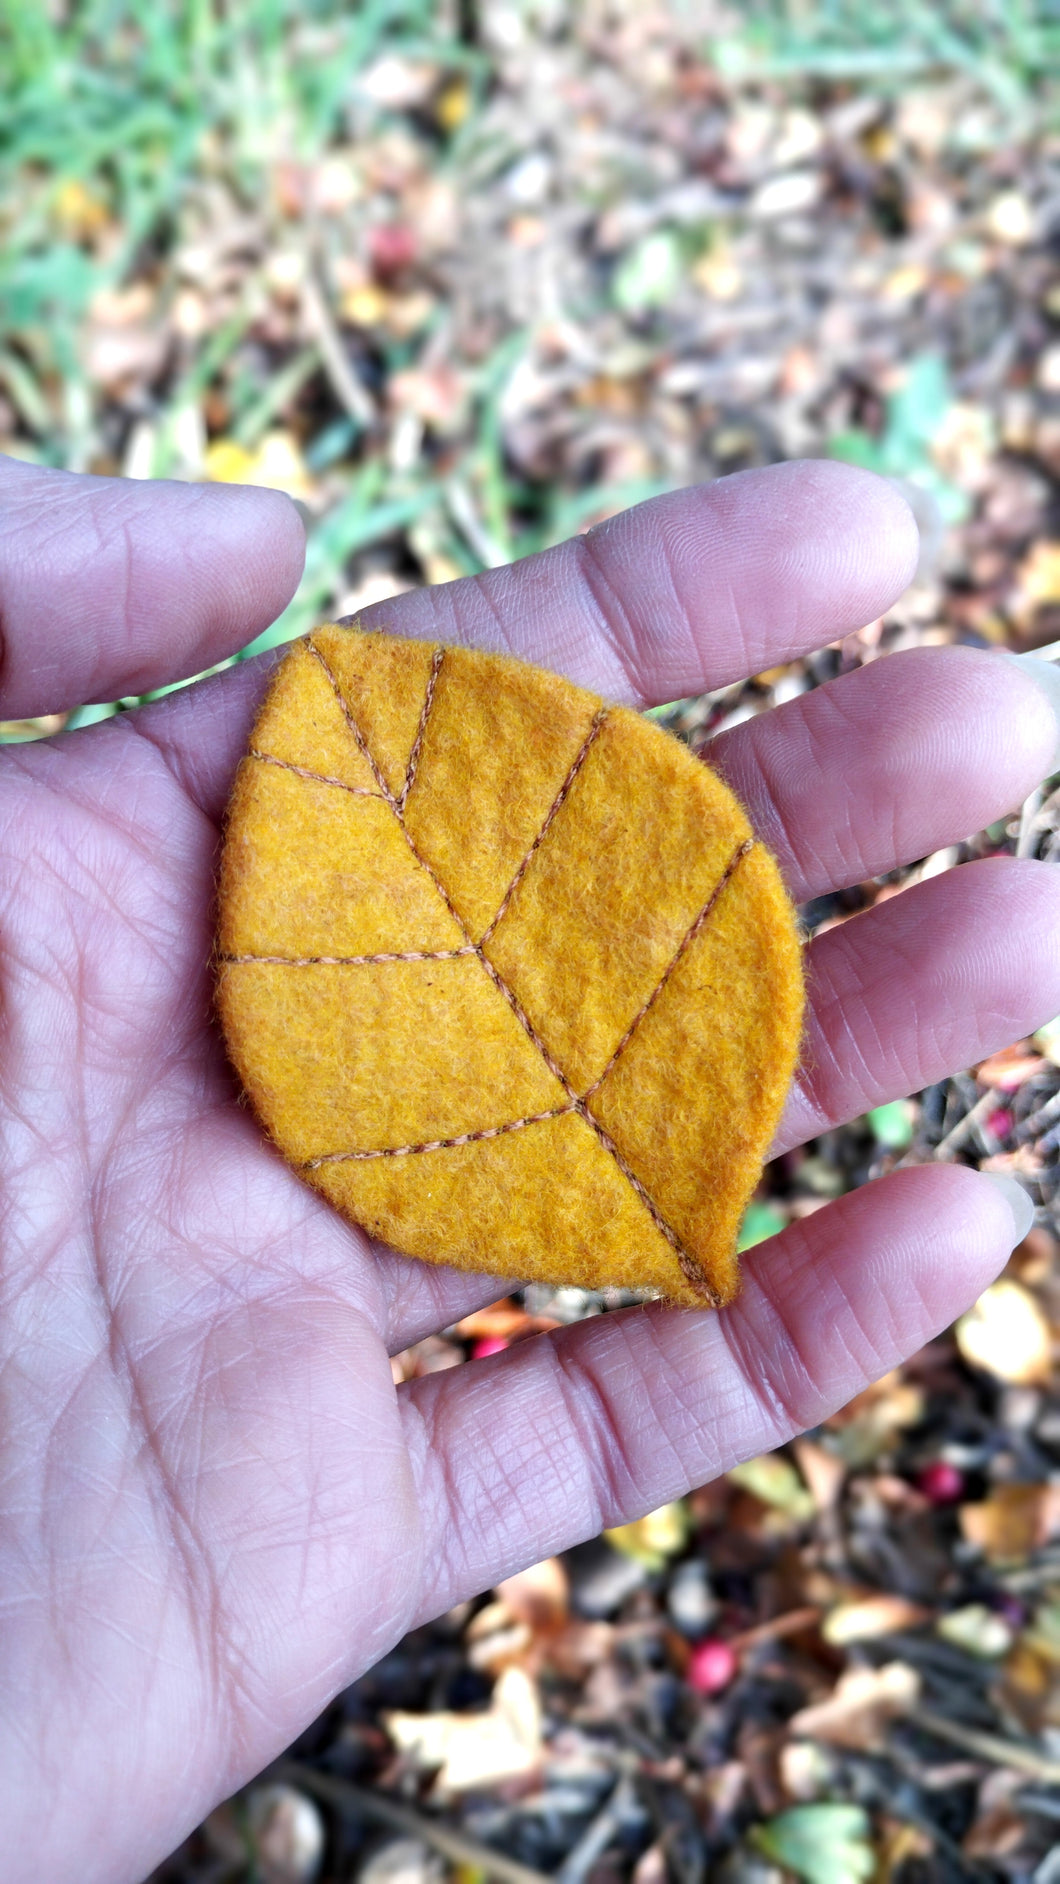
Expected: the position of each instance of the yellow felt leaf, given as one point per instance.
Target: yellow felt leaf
(503, 969)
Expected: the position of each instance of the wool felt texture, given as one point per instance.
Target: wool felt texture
(502, 968)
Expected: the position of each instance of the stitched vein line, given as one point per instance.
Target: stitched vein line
(319, 778)
(689, 1266)
(687, 1261)
(414, 756)
(351, 961)
(741, 851)
(579, 760)
(359, 738)
(437, 1144)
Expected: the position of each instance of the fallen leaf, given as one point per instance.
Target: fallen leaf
(538, 1596)
(276, 464)
(1008, 1070)
(286, 1835)
(78, 213)
(825, 1844)
(760, 1222)
(897, 1844)
(824, 1471)
(774, 1481)
(868, 1424)
(1014, 1521)
(1006, 1333)
(473, 1750)
(652, 1539)
(648, 275)
(892, 1125)
(1037, 580)
(976, 1629)
(862, 1707)
(869, 1616)
(1010, 219)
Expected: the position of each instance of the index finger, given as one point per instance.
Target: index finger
(683, 593)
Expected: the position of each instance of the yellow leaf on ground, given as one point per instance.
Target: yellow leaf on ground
(653, 1538)
(1006, 1332)
(474, 1750)
(276, 464)
(1014, 1521)
(862, 1707)
(1038, 576)
(869, 1616)
(78, 212)
(539, 1595)
(773, 1479)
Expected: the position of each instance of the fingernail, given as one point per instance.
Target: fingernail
(1046, 675)
(1018, 1202)
(928, 519)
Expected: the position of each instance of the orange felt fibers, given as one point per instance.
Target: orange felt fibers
(502, 968)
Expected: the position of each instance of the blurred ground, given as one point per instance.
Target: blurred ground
(464, 280)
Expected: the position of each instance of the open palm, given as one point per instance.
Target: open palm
(216, 1509)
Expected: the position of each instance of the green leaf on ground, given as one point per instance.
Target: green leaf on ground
(825, 1844)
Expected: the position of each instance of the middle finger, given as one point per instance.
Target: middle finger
(889, 763)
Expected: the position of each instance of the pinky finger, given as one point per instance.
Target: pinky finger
(527, 1454)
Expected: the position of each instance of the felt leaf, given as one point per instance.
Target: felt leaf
(503, 970)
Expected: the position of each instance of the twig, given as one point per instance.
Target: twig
(343, 1794)
(973, 1118)
(478, 538)
(1038, 1121)
(988, 1746)
(790, 1623)
(1028, 823)
(343, 380)
(598, 1834)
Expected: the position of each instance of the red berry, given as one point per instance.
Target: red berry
(489, 1344)
(711, 1666)
(1000, 1122)
(941, 1483)
(392, 247)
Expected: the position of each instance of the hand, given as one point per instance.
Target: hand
(216, 1509)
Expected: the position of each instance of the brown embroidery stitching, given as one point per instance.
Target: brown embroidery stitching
(688, 1264)
(350, 961)
(318, 778)
(438, 1144)
(690, 935)
(359, 738)
(579, 760)
(414, 756)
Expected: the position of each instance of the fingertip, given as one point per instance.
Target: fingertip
(260, 536)
(971, 1224)
(1019, 1204)
(867, 530)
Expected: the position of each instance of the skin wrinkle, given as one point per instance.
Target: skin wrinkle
(603, 1444)
(616, 629)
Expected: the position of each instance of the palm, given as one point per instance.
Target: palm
(217, 1508)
